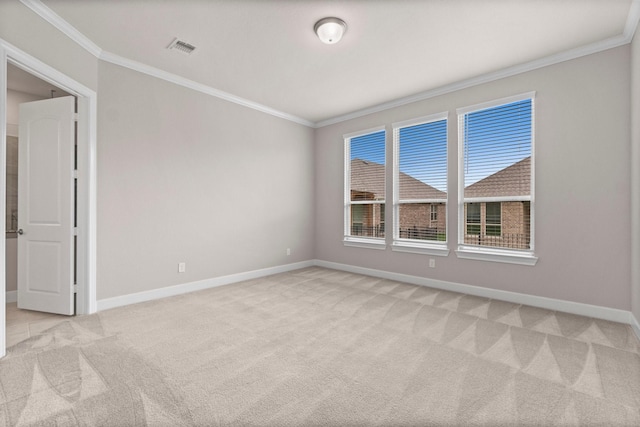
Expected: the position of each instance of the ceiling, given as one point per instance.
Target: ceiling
(266, 51)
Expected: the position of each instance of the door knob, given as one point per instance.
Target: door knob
(20, 231)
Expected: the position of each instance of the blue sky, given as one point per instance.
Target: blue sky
(496, 138)
(369, 147)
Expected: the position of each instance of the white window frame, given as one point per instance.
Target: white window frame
(360, 241)
(505, 255)
(411, 245)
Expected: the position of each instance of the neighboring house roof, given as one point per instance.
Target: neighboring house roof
(514, 180)
(368, 177)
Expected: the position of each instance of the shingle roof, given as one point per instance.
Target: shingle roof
(514, 180)
(368, 177)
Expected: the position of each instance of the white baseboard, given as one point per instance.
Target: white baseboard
(635, 325)
(581, 309)
(105, 304)
(605, 313)
(11, 296)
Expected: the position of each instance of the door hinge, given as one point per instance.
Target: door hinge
(75, 288)
(75, 231)
(75, 174)
(75, 117)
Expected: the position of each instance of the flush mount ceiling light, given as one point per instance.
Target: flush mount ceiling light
(330, 30)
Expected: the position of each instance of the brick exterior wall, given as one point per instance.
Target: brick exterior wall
(514, 231)
(415, 220)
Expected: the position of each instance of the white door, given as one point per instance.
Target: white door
(45, 205)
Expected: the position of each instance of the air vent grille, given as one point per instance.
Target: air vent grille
(182, 46)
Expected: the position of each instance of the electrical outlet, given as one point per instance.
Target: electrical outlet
(288, 251)
(432, 262)
(182, 267)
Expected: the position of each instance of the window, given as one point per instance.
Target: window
(473, 219)
(365, 188)
(496, 180)
(433, 216)
(420, 184)
(493, 216)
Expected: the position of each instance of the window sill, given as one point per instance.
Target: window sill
(361, 242)
(420, 248)
(497, 255)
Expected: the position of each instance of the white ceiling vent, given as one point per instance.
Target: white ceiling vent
(182, 46)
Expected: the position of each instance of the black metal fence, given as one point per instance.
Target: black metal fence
(512, 241)
(372, 231)
(423, 233)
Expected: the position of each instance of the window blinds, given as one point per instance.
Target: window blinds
(422, 159)
(368, 166)
(497, 151)
(366, 189)
(421, 179)
(496, 174)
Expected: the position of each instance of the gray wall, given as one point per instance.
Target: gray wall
(182, 176)
(186, 177)
(635, 167)
(582, 185)
(27, 31)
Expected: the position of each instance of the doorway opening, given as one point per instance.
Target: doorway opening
(25, 258)
(85, 199)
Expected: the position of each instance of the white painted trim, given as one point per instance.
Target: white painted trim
(364, 132)
(598, 312)
(632, 20)
(87, 137)
(401, 245)
(495, 255)
(199, 87)
(421, 120)
(496, 103)
(12, 296)
(581, 309)
(630, 27)
(67, 29)
(579, 52)
(635, 324)
(372, 243)
(70, 31)
(414, 247)
(497, 199)
(120, 301)
(3, 187)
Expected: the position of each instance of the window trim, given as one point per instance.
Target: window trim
(506, 255)
(411, 245)
(348, 239)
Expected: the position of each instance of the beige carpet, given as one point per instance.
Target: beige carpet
(318, 347)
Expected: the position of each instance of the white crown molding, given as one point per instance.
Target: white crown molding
(69, 30)
(54, 19)
(190, 84)
(632, 20)
(485, 78)
(58, 22)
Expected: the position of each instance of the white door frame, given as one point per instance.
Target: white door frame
(87, 188)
